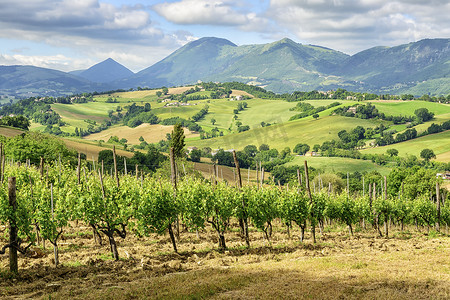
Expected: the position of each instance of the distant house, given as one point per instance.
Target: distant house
(352, 110)
(214, 152)
(189, 149)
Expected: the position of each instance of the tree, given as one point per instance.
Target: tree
(264, 147)
(177, 140)
(213, 121)
(158, 94)
(315, 116)
(301, 148)
(427, 154)
(195, 155)
(165, 90)
(423, 114)
(250, 150)
(392, 152)
(223, 158)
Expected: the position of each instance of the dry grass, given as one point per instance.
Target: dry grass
(9, 131)
(150, 133)
(228, 173)
(408, 266)
(91, 150)
(243, 93)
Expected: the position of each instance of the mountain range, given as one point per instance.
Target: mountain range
(417, 68)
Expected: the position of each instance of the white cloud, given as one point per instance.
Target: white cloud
(90, 28)
(59, 61)
(351, 26)
(131, 34)
(215, 13)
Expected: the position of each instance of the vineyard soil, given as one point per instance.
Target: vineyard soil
(410, 265)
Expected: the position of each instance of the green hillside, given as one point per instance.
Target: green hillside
(438, 142)
(280, 66)
(268, 120)
(407, 108)
(288, 134)
(338, 164)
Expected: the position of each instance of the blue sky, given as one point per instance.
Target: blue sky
(75, 34)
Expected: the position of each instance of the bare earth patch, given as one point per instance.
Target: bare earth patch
(410, 265)
(150, 133)
(92, 150)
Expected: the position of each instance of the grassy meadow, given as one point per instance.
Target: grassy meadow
(288, 134)
(407, 108)
(438, 142)
(339, 164)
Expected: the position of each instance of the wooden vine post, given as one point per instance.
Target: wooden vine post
(262, 177)
(244, 204)
(13, 245)
(308, 190)
(438, 207)
(41, 167)
(214, 174)
(257, 176)
(173, 177)
(79, 169)
(386, 224)
(116, 174)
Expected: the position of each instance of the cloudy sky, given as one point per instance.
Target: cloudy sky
(75, 34)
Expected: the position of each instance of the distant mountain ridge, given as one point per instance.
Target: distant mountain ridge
(106, 71)
(285, 66)
(27, 81)
(417, 68)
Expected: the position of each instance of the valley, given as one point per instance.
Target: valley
(268, 122)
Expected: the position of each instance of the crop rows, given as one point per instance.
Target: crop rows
(117, 206)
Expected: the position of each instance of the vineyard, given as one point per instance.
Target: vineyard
(45, 203)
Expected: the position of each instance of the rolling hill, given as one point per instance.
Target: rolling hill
(27, 81)
(280, 134)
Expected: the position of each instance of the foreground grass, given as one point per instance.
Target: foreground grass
(408, 265)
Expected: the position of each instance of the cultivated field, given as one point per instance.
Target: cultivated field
(91, 150)
(9, 131)
(150, 133)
